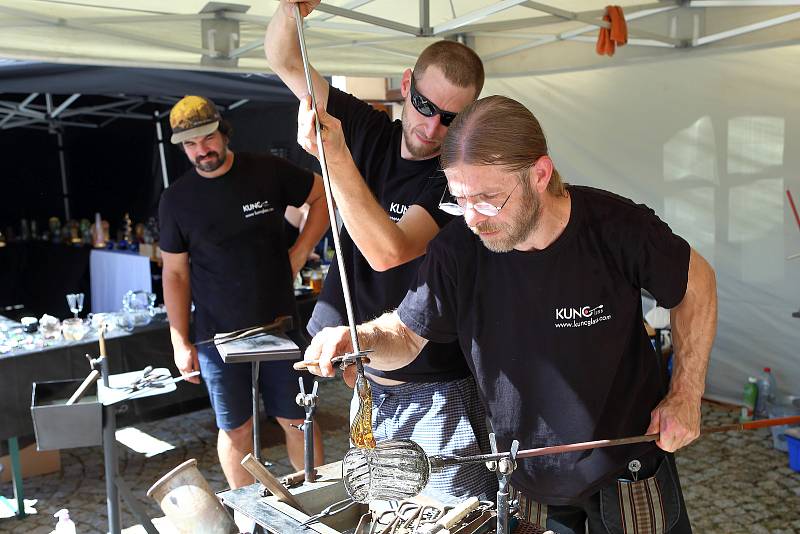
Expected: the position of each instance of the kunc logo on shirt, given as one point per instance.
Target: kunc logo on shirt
(397, 209)
(256, 208)
(580, 316)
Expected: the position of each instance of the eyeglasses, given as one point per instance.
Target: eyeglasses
(458, 205)
(428, 108)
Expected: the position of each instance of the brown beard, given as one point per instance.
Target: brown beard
(522, 225)
(212, 165)
(417, 151)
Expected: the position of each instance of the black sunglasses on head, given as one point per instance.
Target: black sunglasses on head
(428, 108)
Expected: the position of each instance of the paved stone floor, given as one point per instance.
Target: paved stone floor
(733, 482)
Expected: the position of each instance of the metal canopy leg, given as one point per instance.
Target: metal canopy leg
(162, 156)
(63, 167)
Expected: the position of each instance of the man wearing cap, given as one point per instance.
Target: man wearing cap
(387, 185)
(224, 250)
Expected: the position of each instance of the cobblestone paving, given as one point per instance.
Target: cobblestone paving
(736, 482)
(733, 482)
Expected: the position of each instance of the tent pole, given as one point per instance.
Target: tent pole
(161, 153)
(63, 164)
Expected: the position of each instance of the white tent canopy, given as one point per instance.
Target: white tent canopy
(710, 139)
(381, 37)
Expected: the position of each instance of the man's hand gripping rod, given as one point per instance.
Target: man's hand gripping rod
(357, 354)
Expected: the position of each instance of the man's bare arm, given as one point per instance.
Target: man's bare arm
(393, 345)
(384, 243)
(694, 325)
(178, 298)
(316, 225)
(282, 48)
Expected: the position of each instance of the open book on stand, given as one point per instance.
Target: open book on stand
(259, 347)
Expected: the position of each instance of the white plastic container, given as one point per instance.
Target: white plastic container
(785, 406)
(65, 524)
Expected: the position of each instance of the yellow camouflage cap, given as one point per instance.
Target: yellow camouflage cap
(193, 116)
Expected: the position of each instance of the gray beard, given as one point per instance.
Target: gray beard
(521, 226)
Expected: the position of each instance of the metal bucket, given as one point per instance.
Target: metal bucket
(188, 502)
(58, 426)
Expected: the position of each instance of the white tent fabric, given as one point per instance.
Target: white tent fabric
(382, 37)
(711, 144)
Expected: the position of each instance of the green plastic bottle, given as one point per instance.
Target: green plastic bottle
(750, 398)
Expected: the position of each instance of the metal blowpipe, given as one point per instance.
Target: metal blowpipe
(400, 469)
(361, 430)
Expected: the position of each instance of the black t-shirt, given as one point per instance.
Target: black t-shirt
(374, 141)
(555, 338)
(232, 228)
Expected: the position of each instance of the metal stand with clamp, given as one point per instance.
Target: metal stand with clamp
(308, 401)
(279, 326)
(115, 484)
(503, 467)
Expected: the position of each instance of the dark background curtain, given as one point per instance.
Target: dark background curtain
(116, 169)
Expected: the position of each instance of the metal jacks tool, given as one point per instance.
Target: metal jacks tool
(308, 401)
(503, 467)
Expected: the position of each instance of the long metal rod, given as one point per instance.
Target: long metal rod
(64, 105)
(67, 23)
(355, 4)
(136, 507)
(254, 374)
(476, 15)
(794, 209)
(363, 17)
(756, 26)
(444, 461)
(328, 193)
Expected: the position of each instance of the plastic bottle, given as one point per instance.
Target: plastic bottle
(750, 398)
(65, 524)
(773, 386)
(766, 393)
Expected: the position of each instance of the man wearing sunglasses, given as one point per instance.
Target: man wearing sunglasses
(541, 285)
(387, 186)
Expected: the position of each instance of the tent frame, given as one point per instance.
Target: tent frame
(218, 44)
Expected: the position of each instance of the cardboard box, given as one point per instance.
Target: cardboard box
(33, 463)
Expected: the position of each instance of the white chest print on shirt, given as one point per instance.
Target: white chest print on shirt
(581, 316)
(397, 210)
(256, 208)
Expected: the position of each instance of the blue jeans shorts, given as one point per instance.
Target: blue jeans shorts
(230, 390)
